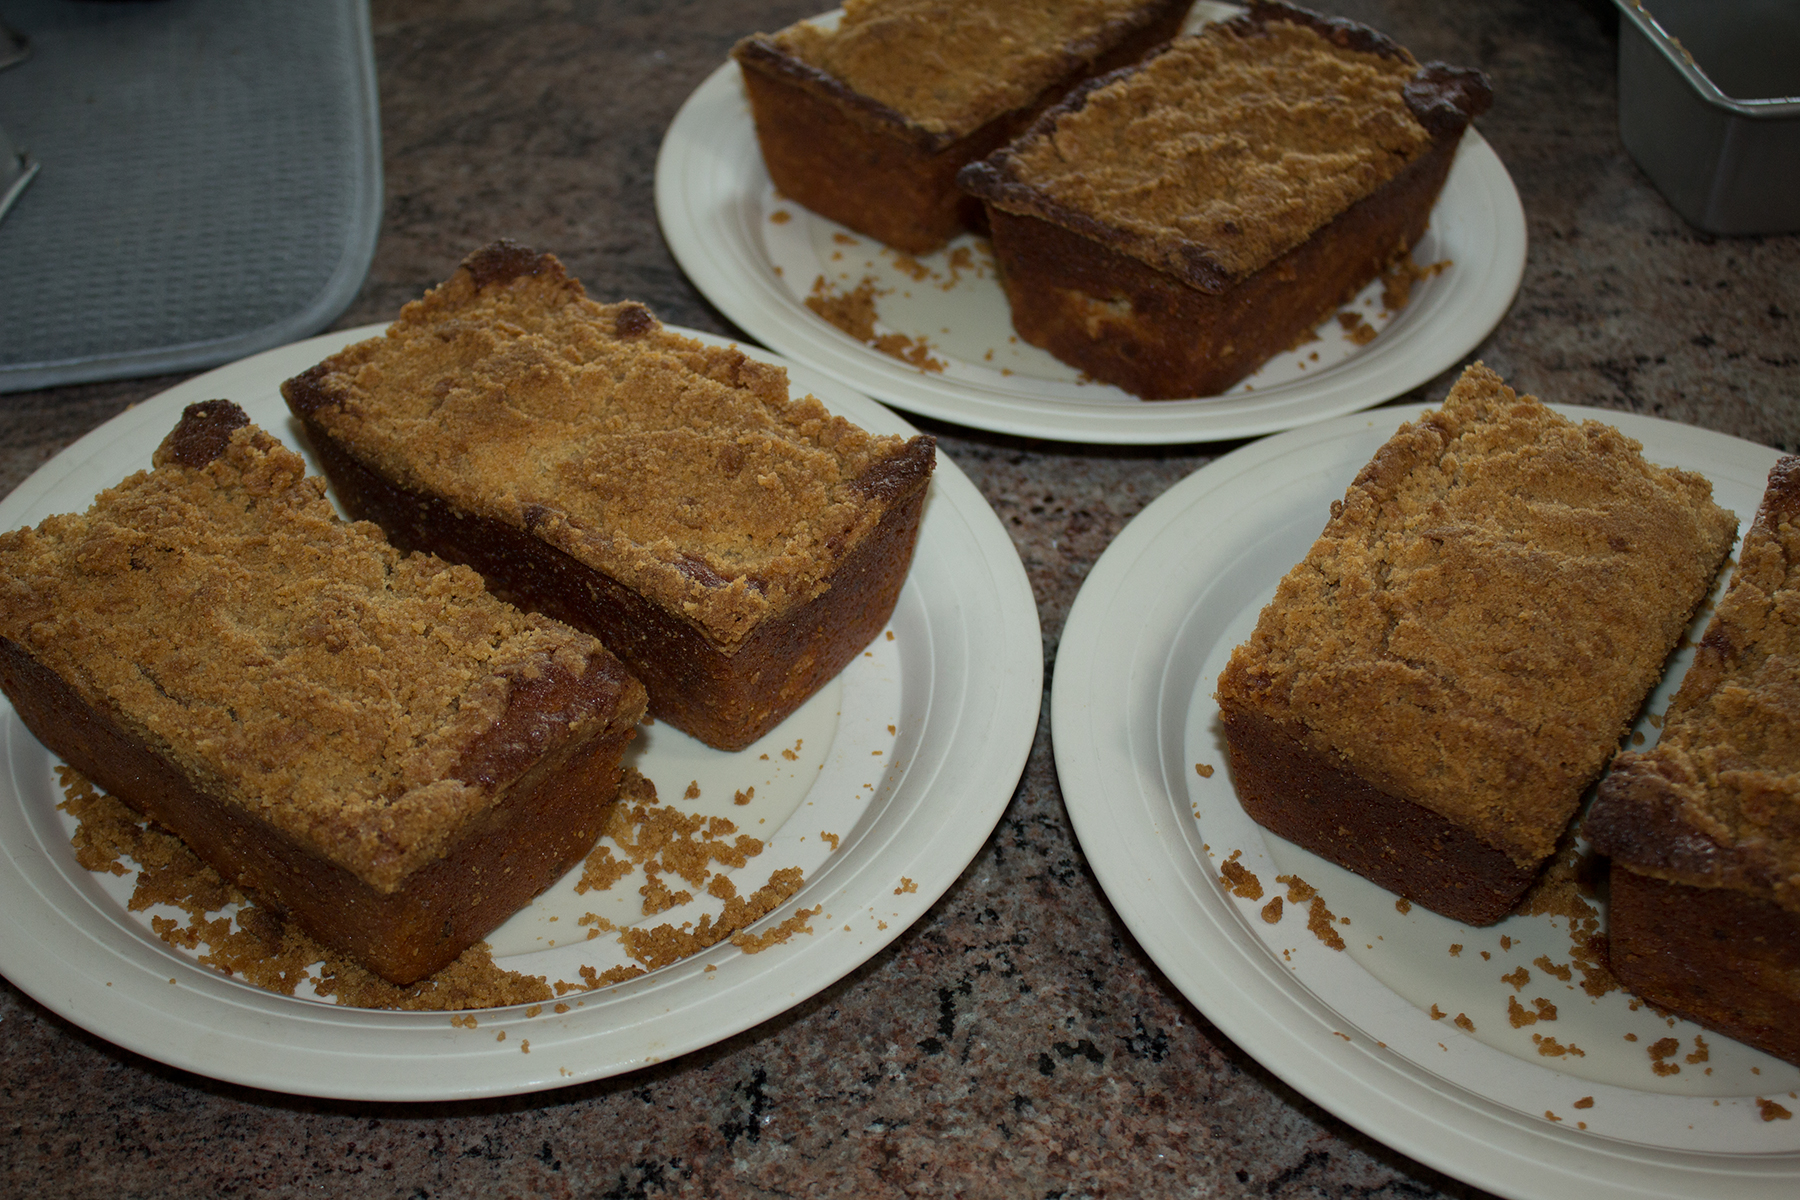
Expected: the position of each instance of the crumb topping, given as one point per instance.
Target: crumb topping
(680, 469)
(296, 665)
(948, 66)
(1240, 140)
(1484, 612)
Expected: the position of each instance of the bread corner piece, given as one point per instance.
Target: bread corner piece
(368, 741)
(1169, 227)
(868, 122)
(1704, 830)
(734, 546)
(1455, 660)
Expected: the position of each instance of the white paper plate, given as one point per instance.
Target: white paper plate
(756, 256)
(908, 759)
(1132, 713)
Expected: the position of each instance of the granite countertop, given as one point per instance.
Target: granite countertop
(1016, 1041)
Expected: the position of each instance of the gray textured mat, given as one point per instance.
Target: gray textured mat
(210, 182)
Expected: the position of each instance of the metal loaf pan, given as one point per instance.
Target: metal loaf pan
(1709, 106)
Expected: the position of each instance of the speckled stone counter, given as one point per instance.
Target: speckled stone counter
(1015, 1042)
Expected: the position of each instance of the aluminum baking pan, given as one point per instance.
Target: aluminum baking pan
(1709, 106)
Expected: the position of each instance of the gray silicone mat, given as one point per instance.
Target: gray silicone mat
(210, 182)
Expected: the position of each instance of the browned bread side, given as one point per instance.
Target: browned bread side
(888, 169)
(370, 743)
(1727, 959)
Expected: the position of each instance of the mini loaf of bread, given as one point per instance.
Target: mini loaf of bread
(368, 741)
(734, 546)
(1704, 830)
(868, 122)
(1169, 227)
(1434, 686)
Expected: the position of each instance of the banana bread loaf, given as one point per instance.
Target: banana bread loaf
(368, 741)
(1452, 664)
(1169, 227)
(869, 122)
(735, 547)
(1704, 830)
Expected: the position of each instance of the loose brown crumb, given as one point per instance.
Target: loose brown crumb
(1563, 891)
(854, 313)
(1239, 880)
(1702, 1052)
(1584, 1102)
(780, 216)
(693, 790)
(745, 796)
(601, 870)
(1397, 281)
(831, 839)
(1772, 1111)
(1204, 770)
(1359, 331)
(1520, 1016)
(756, 943)
(1437, 1014)
(906, 885)
(1661, 1050)
(1298, 890)
(1402, 906)
(1455, 949)
(1271, 912)
(1560, 971)
(1518, 978)
(1463, 1023)
(1321, 924)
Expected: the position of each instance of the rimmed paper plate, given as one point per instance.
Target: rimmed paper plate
(1569, 1104)
(882, 788)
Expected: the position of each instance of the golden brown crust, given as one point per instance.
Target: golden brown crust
(869, 124)
(328, 722)
(667, 496)
(1484, 612)
(1717, 802)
